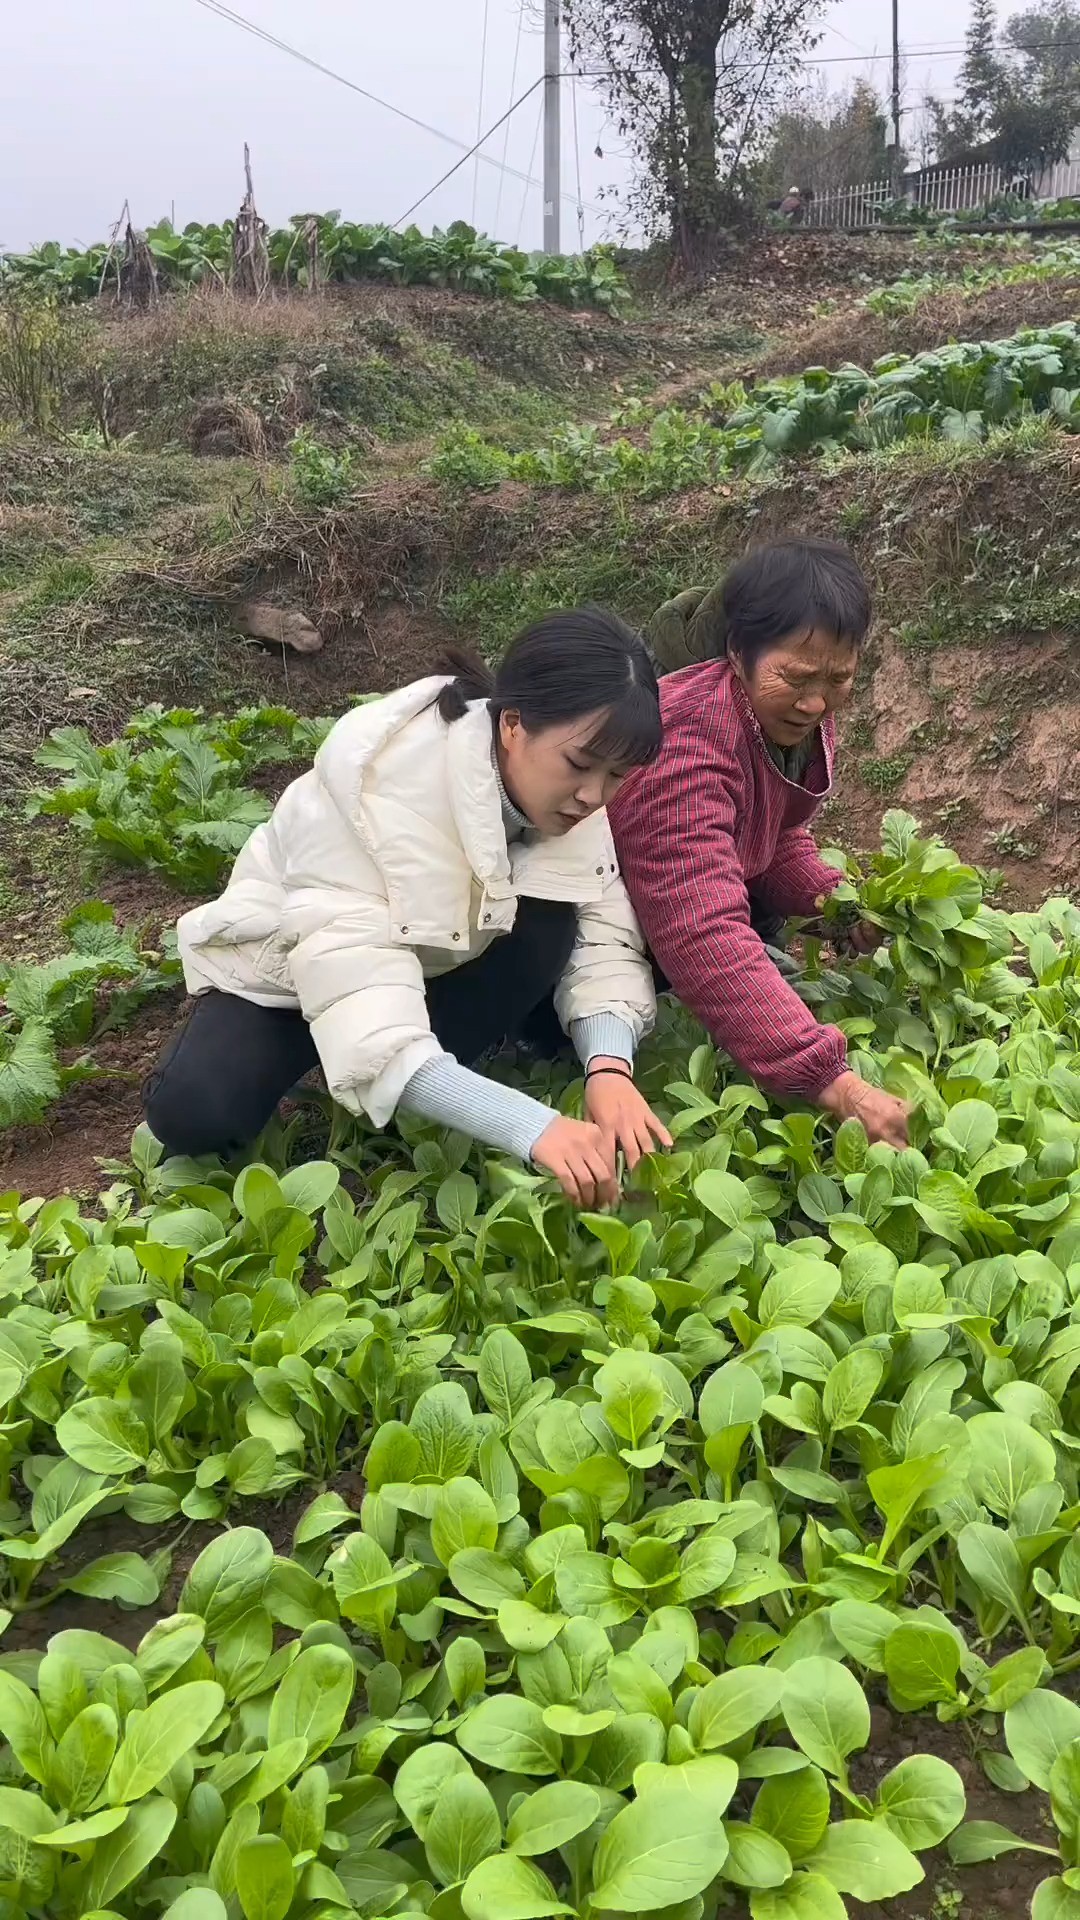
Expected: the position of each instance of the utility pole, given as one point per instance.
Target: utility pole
(552, 126)
(897, 150)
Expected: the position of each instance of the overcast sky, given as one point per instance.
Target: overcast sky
(151, 100)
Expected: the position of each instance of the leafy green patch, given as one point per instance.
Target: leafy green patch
(70, 1001)
(653, 1504)
(345, 251)
(1053, 261)
(958, 394)
(169, 795)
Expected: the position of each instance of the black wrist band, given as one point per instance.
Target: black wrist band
(621, 1073)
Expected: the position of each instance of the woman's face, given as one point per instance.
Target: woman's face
(552, 776)
(793, 686)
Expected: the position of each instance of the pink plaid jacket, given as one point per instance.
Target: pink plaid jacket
(711, 819)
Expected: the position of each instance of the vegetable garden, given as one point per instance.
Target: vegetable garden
(607, 1531)
(958, 393)
(347, 252)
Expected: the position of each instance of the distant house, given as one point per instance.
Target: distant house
(974, 176)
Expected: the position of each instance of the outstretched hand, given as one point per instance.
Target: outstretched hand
(884, 1117)
(623, 1115)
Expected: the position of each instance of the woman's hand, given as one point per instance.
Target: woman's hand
(862, 938)
(582, 1160)
(624, 1117)
(884, 1117)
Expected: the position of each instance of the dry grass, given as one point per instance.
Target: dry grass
(209, 312)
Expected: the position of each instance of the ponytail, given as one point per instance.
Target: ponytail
(472, 680)
(568, 665)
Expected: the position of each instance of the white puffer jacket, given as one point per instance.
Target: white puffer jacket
(386, 865)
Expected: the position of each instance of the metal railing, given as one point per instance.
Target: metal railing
(945, 189)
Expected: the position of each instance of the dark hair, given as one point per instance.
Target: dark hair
(794, 586)
(567, 665)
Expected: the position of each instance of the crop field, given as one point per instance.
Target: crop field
(378, 1536)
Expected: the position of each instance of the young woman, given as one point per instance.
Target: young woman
(442, 869)
(713, 835)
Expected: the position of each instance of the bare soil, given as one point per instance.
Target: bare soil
(182, 1540)
(1000, 773)
(999, 1889)
(96, 1118)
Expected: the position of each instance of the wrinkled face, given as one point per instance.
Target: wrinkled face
(552, 776)
(793, 686)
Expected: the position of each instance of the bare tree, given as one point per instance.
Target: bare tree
(691, 84)
(251, 259)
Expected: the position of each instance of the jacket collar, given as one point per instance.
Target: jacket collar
(476, 800)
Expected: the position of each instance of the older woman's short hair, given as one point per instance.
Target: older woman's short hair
(792, 588)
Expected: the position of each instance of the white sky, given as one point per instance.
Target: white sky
(151, 100)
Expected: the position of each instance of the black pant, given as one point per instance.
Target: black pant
(224, 1071)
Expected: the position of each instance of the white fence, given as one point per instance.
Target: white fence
(946, 190)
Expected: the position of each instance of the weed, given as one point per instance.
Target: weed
(929, 733)
(320, 476)
(611, 568)
(949, 812)
(947, 1903)
(466, 462)
(882, 774)
(39, 351)
(998, 745)
(860, 731)
(1011, 844)
(854, 515)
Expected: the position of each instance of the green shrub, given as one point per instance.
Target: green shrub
(320, 476)
(466, 462)
(40, 350)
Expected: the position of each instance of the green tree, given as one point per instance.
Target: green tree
(1047, 42)
(983, 74)
(691, 85)
(1022, 106)
(826, 141)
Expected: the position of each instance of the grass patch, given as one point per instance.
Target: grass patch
(56, 584)
(387, 368)
(614, 571)
(883, 773)
(105, 493)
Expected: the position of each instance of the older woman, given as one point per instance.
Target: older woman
(713, 837)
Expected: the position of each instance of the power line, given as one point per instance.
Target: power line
(480, 108)
(260, 33)
(506, 134)
(932, 51)
(529, 178)
(532, 162)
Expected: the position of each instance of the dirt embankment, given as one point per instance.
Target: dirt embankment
(860, 337)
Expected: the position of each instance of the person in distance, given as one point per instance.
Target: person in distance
(444, 866)
(712, 836)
